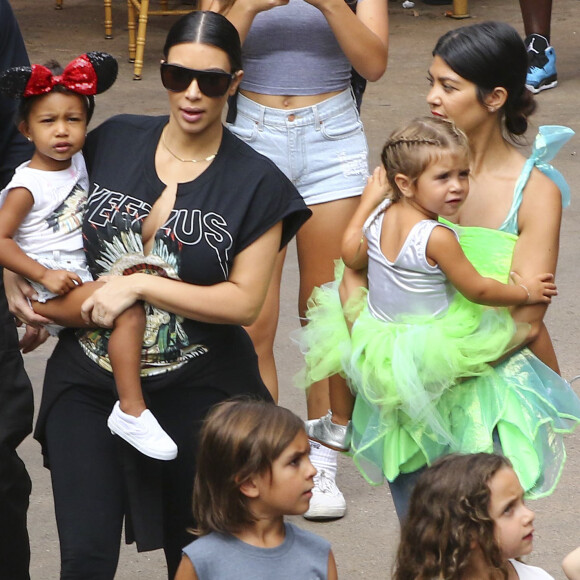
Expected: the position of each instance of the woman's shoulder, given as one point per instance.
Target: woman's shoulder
(540, 197)
(128, 125)
(120, 134)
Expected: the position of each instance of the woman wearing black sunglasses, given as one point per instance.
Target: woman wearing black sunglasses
(192, 219)
(296, 107)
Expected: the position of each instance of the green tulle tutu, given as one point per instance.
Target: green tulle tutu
(520, 406)
(407, 366)
(325, 340)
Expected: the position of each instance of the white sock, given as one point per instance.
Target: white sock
(323, 458)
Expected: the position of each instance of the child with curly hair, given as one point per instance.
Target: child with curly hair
(467, 519)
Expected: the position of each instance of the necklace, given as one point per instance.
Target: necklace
(208, 158)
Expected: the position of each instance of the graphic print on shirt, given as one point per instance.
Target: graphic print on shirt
(120, 251)
(68, 216)
(188, 226)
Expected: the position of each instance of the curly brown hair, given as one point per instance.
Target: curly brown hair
(449, 509)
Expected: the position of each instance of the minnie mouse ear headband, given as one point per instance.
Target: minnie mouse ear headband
(88, 74)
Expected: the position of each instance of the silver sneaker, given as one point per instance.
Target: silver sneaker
(327, 502)
(330, 434)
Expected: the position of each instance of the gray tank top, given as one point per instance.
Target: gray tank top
(291, 50)
(302, 556)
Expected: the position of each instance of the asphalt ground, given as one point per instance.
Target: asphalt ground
(365, 540)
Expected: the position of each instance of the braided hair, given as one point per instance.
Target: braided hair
(412, 148)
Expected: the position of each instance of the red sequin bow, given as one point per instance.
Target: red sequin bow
(78, 76)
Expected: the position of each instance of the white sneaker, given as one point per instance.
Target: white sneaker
(143, 432)
(327, 502)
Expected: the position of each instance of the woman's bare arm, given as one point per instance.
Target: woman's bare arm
(241, 13)
(235, 301)
(364, 37)
(536, 250)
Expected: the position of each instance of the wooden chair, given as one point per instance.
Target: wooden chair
(140, 9)
(108, 16)
(460, 10)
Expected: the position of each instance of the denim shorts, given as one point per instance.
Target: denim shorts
(322, 149)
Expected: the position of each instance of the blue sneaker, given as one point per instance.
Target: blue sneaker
(542, 73)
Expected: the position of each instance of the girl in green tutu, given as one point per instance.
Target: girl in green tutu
(417, 336)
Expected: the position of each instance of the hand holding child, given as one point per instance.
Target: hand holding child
(540, 288)
(60, 281)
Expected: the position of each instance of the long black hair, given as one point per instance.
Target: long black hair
(492, 54)
(210, 28)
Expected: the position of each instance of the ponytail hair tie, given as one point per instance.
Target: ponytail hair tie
(89, 74)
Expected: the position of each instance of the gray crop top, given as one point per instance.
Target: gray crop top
(291, 50)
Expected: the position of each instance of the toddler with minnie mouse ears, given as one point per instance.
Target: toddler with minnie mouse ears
(41, 216)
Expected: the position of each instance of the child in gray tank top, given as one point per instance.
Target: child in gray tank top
(253, 469)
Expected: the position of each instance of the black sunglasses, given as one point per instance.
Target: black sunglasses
(177, 79)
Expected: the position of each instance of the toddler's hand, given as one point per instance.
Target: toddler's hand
(60, 281)
(377, 187)
(540, 288)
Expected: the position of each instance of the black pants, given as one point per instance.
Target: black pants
(87, 476)
(16, 410)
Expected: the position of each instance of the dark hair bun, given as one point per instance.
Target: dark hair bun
(518, 110)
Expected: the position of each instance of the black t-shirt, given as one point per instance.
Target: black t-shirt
(238, 198)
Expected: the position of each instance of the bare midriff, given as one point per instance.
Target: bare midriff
(288, 101)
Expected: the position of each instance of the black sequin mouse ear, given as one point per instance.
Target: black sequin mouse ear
(14, 80)
(106, 69)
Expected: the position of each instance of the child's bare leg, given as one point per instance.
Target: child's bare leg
(66, 310)
(129, 419)
(334, 430)
(341, 400)
(125, 345)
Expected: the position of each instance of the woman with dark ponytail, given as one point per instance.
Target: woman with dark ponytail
(490, 55)
(478, 77)
(513, 214)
